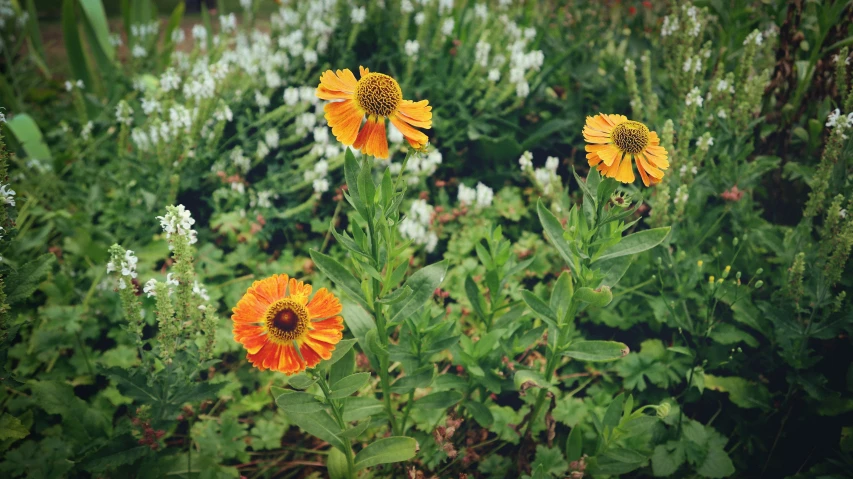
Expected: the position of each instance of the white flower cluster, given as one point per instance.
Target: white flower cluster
(694, 98)
(412, 47)
(419, 165)
(7, 195)
(178, 221)
(127, 268)
(693, 17)
(358, 15)
(69, 85)
(86, 131)
(839, 121)
(124, 113)
(415, 226)
(681, 195)
(482, 195)
(317, 177)
(546, 177)
(705, 142)
(755, 37)
(141, 30)
(725, 86)
(694, 64)
(670, 26)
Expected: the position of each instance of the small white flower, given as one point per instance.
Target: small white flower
(481, 11)
(321, 185)
(412, 47)
(721, 113)
(271, 138)
(150, 287)
(670, 26)
(551, 164)
(485, 195)
(447, 26)
(358, 15)
(522, 89)
(694, 97)
(172, 281)
(466, 195)
(526, 160)
(291, 96)
(843, 213)
(200, 291)
(406, 7)
(111, 267)
(494, 75)
(227, 23)
(419, 18)
(310, 57)
(262, 100)
(138, 51)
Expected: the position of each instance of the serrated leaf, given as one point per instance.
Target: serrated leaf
(23, 282)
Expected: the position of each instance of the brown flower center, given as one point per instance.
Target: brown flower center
(631, 136)
(286, 320)
(378, 94)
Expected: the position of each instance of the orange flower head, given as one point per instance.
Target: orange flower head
(378, 97)
(613, 142)
(281, 329)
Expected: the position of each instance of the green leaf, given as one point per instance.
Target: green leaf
(301, 381)
(554, 233)
(385, 451)
(423, 284)
(635, 243)
(34, 38)
(523, 376)
(73, 45)
(421, 378)
(297, 403)
(741, 392)
(348, 385)
(356, 408)
(539, 307)
(29, 136)
(97, 19)
(174, 23)
(614, 412)
(597, 350)
(595, 297)
(336, 465)
(561, 296)
(79, 419)
(716, 464)
(480, 413)
(12, 428)
(574, 444)
(667, 459)
(475, 297)
(439, 400)
(340, 276)
(118, 452)
(319, 424)
(341, 349)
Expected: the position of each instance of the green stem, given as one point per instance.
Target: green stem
(336, 412)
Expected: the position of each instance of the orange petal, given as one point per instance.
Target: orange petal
(335, 322)
(322, 348)
(270, 289)
(299, 291)
(593, 159)
(416, 113)
(310, 357)
(643, 175)
(416, 137)
(650, 169)
(364, 134)
(324, 304)
(610, 154)
(344, 117)
(266, 356)
(329, 336)
(290, 362)
(626, 171)
(363, 71)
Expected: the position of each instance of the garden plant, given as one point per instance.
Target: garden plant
(416, 239)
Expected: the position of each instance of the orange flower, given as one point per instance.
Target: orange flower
(378, 96)
(281, 329)
(613, 141)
